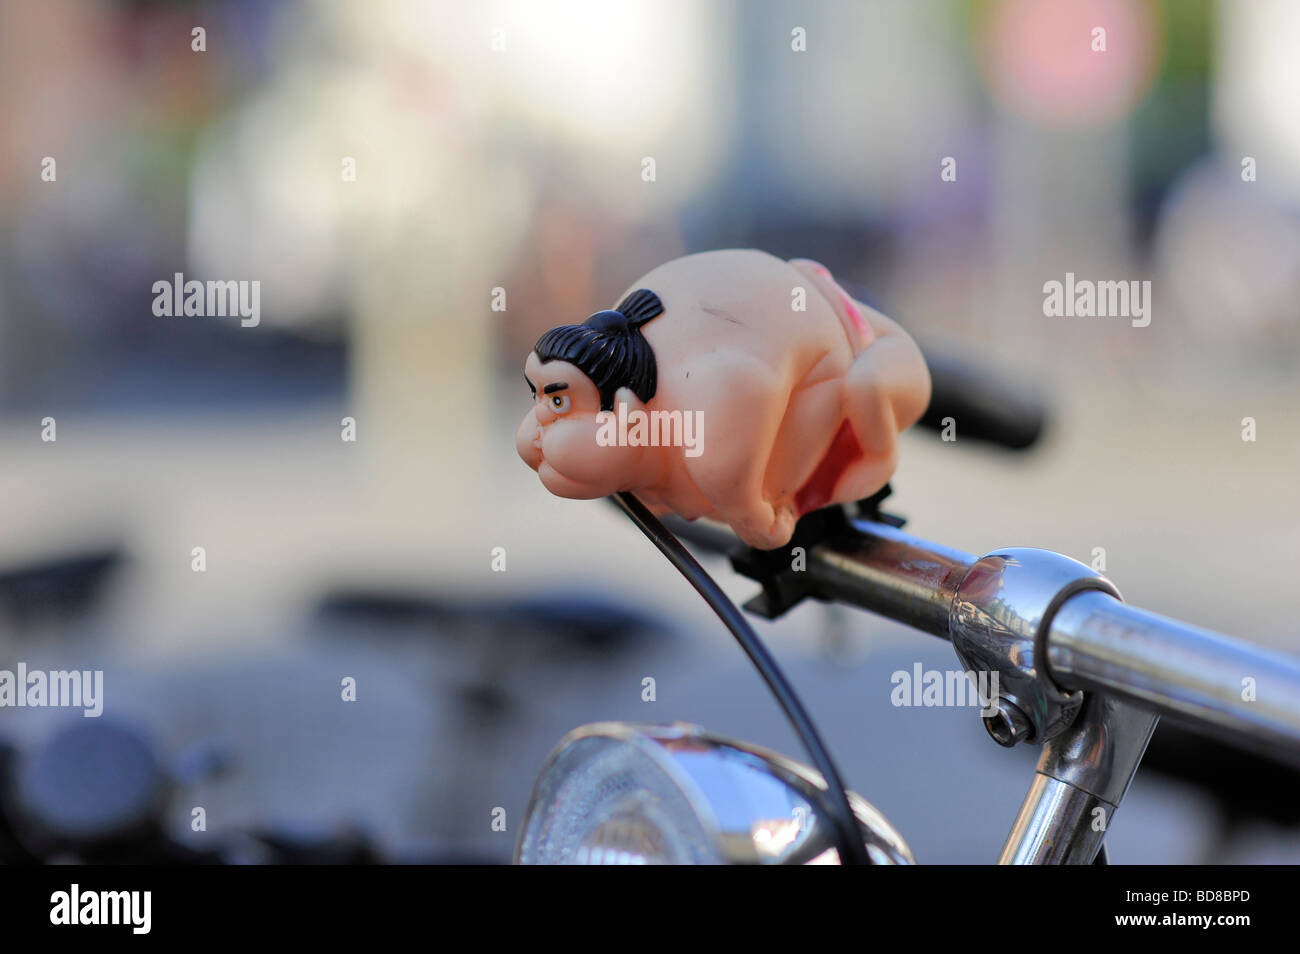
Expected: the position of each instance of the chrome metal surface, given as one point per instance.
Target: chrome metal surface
(1057, 825)
(1248, 695)
(1008, 725)
(751, 805)
(892, 573)
(1093, 643)
(1102, 750)
(998, 623)
(1082, 777)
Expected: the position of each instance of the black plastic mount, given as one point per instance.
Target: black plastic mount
(781, 573)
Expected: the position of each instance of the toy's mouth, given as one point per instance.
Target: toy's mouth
(528, 443)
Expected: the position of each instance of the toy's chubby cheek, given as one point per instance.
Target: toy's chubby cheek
(572, 460)
(571, 448)
(562, 486)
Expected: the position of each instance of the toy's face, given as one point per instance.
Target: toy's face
(558, 436)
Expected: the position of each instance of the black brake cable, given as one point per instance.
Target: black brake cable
(852, 850)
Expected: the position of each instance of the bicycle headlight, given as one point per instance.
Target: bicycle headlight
(618, 793)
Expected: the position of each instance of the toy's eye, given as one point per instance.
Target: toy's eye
(559, 403)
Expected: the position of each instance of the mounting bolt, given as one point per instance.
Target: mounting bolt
(1009, 724)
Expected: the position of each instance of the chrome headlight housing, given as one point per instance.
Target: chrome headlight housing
(621, 793)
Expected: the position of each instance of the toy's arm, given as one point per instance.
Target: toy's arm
(891, 367)
(746, 403)
(895, 364)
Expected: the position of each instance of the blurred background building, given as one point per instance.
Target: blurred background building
(382, 169)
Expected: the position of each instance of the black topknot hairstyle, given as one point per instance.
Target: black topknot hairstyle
(609, 348)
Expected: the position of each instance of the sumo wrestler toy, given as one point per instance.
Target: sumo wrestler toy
(732, 385)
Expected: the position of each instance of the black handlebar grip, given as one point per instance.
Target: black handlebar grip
(981, 405)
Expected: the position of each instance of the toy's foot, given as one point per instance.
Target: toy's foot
(767, 532)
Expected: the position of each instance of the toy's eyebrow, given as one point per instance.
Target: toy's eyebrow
(552, 388)
(532, 387)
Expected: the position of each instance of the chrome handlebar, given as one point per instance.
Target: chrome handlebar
(1245, 694)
